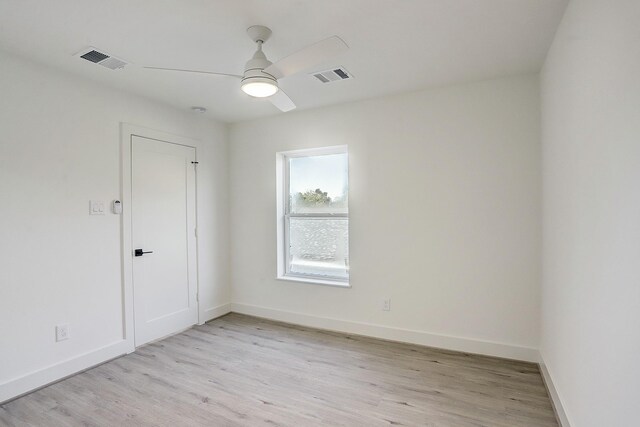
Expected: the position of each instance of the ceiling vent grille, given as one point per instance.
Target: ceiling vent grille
(96, 56)
(333, 75)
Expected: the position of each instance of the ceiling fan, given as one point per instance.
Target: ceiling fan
(260, 77)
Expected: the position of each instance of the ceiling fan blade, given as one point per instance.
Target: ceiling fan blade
(193, 71)
(282, 101)
(307, 57)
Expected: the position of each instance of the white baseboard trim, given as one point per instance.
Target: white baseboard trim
(15, 387)
(561, 415)
(214, 312)
(18, 386)
(466, 345)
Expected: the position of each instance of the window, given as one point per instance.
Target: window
(313, 216)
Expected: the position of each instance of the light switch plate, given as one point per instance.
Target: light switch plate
(96, 207)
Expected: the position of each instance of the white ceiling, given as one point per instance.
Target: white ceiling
(395, 45)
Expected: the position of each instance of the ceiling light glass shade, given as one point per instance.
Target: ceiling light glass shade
(259, 87)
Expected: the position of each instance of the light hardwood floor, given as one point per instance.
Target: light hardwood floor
(243, 371)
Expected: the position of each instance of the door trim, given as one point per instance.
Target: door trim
(127, 130)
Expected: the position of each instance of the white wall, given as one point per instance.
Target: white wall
(59, 148)
(444, 204)
(591, 215)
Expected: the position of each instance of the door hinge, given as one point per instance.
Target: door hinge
(198, 296)
(195, 232)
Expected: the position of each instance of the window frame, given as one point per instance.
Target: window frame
(284, 216)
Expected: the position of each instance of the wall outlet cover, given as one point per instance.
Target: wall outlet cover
(62, 332)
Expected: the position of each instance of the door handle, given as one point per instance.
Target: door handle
(140, 252)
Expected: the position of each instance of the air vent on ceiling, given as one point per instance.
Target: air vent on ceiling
(96, 56)
(332, 75)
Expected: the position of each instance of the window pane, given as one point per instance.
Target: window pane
(319, 247)
(318, 184)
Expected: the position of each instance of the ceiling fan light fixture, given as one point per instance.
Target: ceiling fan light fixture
(259, 87)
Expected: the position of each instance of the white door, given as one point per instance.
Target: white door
(163, 184)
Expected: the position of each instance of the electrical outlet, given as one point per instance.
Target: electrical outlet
(62, 332)
(386, 304)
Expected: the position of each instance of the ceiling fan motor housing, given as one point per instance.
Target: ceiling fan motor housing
(253, 72)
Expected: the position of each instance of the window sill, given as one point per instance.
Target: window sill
(312, 281)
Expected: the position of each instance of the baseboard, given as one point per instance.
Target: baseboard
(23, 384)
(27, 383)
(561, 415)
(215, 312)
(18, 386)
(394, 334)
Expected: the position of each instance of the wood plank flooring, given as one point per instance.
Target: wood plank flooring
(244, 371)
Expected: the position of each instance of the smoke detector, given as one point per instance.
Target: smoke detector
(100, 57)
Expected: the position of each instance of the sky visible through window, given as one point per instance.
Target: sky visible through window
(328, 173)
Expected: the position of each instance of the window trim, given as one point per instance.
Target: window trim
(283, 217)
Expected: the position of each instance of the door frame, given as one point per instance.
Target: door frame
(127, 131)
